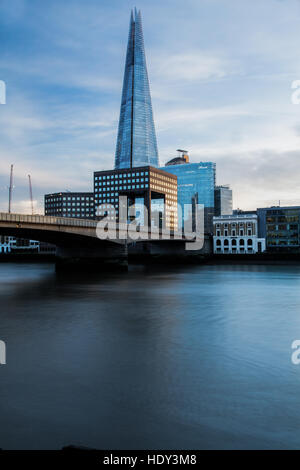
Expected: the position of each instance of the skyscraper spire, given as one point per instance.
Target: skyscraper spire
(136, 142)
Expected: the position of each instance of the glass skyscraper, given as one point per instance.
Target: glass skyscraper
(136, 142)
(196, 185)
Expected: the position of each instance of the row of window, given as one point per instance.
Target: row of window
(283, 227)
(234, 242)
(129, 180)
(87, 211)
(121, 175)
(234, 224)
(274, 242)
(122, 188)
(233, 233)
(283, 218)
(69, 198)
(69, 204)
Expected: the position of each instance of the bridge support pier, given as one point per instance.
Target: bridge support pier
(171, 252)
(98, 257)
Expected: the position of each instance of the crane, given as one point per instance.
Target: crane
(30, 194)
(10, 188)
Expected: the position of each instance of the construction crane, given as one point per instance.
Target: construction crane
(30, 194)
(10, 188)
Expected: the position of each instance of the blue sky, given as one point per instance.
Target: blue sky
(220, 75)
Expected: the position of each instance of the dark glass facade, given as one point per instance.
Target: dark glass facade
(75, 205)
(223, 200)
(196, 184)
(136, 141)
(281, 227)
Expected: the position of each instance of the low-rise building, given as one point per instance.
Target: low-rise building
(17, 245)
(70, 204)
(280, 226)
(5, 244)
(237, 234)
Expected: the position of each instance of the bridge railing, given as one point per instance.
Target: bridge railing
(45, 219)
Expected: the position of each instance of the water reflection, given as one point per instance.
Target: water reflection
(155, 358)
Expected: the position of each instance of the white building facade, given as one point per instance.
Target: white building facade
(5, 244)
(10, 244)
(237, 234)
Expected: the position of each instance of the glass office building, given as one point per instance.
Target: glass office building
(196, 184)
(136, 142)
(280, 226)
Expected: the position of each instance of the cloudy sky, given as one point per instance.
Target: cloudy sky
(220, 72)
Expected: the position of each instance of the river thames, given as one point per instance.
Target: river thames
(191, 358)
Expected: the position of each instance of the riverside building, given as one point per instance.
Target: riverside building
(196, 185)
(280, 226)
(69, 204)
(136, 141)
(223, 200)
(237, 234)
(143, 186)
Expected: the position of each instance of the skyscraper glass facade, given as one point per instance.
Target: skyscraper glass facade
(136, 142)
(196, 184)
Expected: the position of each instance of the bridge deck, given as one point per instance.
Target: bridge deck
(45, 219)
(86, 227)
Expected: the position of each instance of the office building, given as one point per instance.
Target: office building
(223, 200)
(196, 185)
(280, 226)
(136, 141)
(237, 234)
(143, 186)
(79, 205)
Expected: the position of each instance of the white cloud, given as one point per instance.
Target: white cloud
(191, 66)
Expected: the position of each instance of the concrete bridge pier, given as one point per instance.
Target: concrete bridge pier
(166, 251)
(95, 257)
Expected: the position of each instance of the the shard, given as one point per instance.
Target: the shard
(136, 142)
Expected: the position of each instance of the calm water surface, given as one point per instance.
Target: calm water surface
(192, 358)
